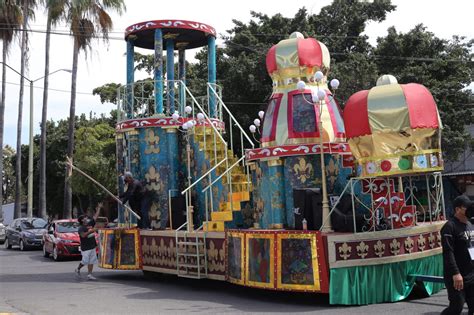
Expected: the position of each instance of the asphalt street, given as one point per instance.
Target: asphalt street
(32, 284)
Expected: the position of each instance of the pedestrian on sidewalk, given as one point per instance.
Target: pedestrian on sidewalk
(458, 257)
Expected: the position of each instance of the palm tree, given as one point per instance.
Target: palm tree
(56, 10)
(27, 7)
(10, 19)
(87, 18)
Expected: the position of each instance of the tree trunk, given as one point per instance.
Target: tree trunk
(24, 40)
(2, 120)
(70, 143)
(44, 118)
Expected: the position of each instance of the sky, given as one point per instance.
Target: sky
(106, 62)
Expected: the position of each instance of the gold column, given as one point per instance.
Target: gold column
(326, 220)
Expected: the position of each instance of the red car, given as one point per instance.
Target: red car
(61, 239)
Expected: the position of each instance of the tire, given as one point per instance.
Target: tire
(22, 245)
(45, 253)
(7, 244)
(56, 256)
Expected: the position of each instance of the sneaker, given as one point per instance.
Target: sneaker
(78, 272)
(91, 277)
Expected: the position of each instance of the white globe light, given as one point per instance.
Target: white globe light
(314, 98)
(321, 94)
(193, 122)
(252, 128)
(200, 116)
(301, 86)
(190, 124)
(175, 116)
(185, 126)
(335, 83)
(261, 114)
(256, 122)
(188, 109)
(296, 35)
(318, 76)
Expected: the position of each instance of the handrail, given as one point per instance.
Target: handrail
(205, 115)
(200, 178)
(220, 176)
(230, 114)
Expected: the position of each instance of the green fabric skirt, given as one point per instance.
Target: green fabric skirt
(382, 283)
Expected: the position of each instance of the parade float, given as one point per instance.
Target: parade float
(313, 199)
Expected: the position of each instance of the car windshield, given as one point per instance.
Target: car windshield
(34, 224)
(67, 227)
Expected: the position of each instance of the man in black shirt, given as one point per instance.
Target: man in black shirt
(458, 263)
(135, 195)
(88, 243)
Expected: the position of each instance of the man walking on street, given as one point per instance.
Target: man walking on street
(458, 256)
(88, 244)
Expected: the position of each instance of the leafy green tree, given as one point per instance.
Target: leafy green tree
(95, 155)
(445, 67)
(8, 175)
(87, 18)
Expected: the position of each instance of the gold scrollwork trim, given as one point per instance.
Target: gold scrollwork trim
(314, 258)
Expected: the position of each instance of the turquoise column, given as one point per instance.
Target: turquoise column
(182, 78)
(277, 194)
(158, 71)
(170, 74)
(130, 79)
(134, 160)
(172, 137)
(211, 73)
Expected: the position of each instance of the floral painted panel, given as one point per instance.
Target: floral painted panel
(259, 260)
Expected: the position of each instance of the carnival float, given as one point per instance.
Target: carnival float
(313, 199)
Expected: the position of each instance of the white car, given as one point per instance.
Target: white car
(2, 233)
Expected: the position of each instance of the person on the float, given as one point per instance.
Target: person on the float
(135, 195)
(458, 257)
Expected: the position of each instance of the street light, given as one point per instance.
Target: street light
(30, 146)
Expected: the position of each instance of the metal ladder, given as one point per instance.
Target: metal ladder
(190, 265)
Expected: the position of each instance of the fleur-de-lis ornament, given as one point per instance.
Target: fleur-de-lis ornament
(152, 179)
(345, 251)
(432, 240)
(362, 249)
(421, 242)
(409, 244)
(152, 142)
(379, 248)
(438, 239)
(303, 170)
(395, 247)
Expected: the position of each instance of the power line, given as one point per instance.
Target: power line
(51, 89)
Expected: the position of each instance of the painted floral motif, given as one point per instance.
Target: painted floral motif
(438, 239)
(409, 244)
(216, 258)
(152, 142)
(345, 251)
(153, 181)
(421, 242)
(303, 170)
(395, 247)
(379, 248)
(362, 249)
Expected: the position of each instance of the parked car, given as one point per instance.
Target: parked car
(61, 239)
(2, 233)
(25, 232)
